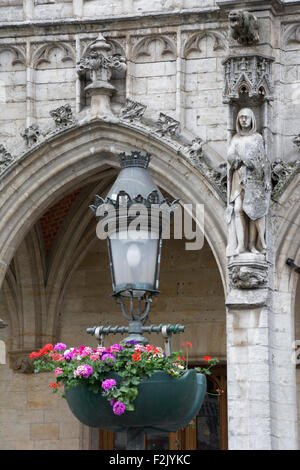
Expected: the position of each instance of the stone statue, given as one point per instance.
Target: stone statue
(243, 27)
(248, 188)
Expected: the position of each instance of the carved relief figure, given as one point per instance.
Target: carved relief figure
(243, 27)
(248, 187)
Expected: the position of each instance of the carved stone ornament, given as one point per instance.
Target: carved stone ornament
(167, 125)
(132, 110)
(248, 272)
(243, 27)
(99, 63)
(31, 134)
(5, 158)
(19, 361)
(63, 116)
(251, 74)
(281, 173)
(245, 277)
(195, 150)
(296, 140)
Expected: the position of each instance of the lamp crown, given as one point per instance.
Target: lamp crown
(135, 159)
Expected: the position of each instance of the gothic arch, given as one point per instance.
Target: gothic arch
(65, 160)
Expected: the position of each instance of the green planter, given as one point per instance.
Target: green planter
(164, 403)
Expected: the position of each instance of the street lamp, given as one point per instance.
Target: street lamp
(133, 218)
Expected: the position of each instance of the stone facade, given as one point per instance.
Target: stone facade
(80, 82)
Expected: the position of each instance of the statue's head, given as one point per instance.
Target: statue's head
(245, 122)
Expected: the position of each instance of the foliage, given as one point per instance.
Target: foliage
(115, 371)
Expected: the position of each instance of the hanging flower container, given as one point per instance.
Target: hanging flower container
(126, 385)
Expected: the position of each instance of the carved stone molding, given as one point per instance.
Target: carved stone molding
(248, 271)
(41, 52)
(19, 53)
(63, 116)
(167, 125)
(31, 135)
(243, 27)
(281, 174)
(132, 110)
(193, 43)
(19, 361)
(142, 48)
(251, 74)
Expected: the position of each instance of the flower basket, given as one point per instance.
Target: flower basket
(127, 385)
(164, 403)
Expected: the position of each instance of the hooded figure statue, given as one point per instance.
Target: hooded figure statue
(248, 187)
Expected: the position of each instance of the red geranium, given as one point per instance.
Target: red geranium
(207, 358)
(136, 356)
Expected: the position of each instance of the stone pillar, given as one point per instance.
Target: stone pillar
(262, 411)
(248, 371)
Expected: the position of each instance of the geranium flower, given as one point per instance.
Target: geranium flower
(207, 358)
(136, 356)
(108, 384)
(119, 408)
(83, 371)
(34, 354)
(108, 357)
(58, 371)
(115, 348)
(60, 347)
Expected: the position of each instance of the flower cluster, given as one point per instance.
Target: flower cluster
(115, 372)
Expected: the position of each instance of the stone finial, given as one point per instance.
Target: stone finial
(63, 116)
(167, 125)
(132, 110)
(99, 64)
(243, 27)
(31, 135)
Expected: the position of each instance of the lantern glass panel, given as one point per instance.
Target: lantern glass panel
(134, 257)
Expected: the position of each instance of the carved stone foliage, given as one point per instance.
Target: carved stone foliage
(249, 271)
(243, 27)
(251, 74)
(63, 116)
(31, 135)
(245, 277)
(99, 62)
(132, 110)
(296, 140)
(195, 150)
(282, 173)
(167, 125)
(5, 158)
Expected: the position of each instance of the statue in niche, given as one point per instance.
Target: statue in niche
(248, 188)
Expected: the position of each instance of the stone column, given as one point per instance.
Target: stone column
(248, 371)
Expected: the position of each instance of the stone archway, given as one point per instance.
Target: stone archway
(83, 154)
